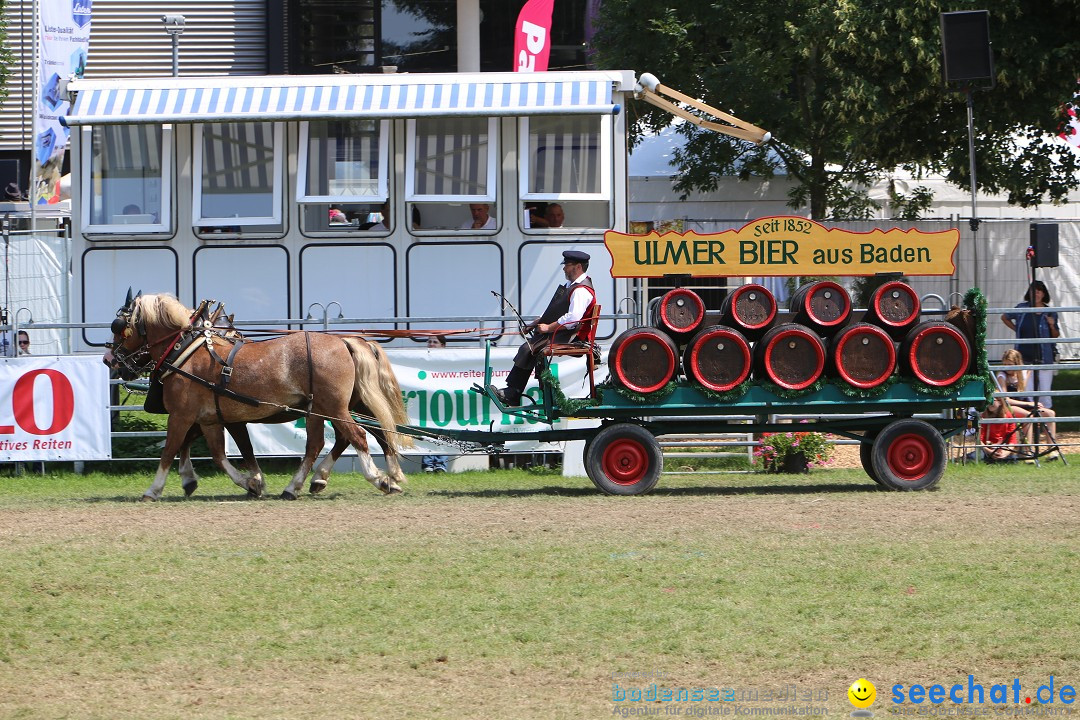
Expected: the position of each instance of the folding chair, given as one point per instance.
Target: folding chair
(581, 348)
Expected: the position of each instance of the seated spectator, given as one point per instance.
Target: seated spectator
(998, 439)
(24, 343)
(1011, 380)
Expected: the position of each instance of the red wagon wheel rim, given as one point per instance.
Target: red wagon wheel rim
(625, 461)
(910, 456)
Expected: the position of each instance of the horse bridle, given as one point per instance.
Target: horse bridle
(140, 359)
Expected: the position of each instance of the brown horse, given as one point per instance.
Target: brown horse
(300, 374)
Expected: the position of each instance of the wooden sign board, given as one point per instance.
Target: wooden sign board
(778, 246)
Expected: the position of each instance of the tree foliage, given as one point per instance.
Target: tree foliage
(852, 90)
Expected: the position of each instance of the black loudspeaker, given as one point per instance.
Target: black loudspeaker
(1044, 244)
(965, 40)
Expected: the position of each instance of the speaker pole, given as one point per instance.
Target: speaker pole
(974, 193)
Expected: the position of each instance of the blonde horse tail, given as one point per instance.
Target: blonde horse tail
(377, 389)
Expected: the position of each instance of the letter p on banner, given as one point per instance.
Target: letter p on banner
(532, 34)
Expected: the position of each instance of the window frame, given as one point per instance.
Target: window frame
(277, 194)
(492, 168)
(383, 179)
(164, 224)
(604, 162)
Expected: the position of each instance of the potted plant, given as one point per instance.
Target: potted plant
(793, 452)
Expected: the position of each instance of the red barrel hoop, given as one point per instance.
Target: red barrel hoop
(643, 359)
(680, 313)
(895, 307)
(790, 355)
(936, 353)
(863, 355)
(823, 305)
(751, 309)
(718, 358)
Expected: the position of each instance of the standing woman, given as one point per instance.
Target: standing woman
(1036, 325)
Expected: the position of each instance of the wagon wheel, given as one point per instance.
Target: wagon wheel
(909, 455)
(866, 455)
(624, 459)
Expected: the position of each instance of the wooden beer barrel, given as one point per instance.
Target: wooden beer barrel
(894, 307)
(824, 306)
(718, 357)
(751, 309)
(790, 355)
(679, 313)
(643, 359)
(936, 353)
(863, 355)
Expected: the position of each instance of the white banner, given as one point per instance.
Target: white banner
(63, 40)
(435, 384)
(54, 408)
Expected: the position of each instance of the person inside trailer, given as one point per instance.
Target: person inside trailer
(554, 215)
(481, 218)
(559, 323)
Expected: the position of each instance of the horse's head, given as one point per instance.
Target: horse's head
(128, 352)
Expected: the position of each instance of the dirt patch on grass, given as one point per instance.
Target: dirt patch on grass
(757, 509)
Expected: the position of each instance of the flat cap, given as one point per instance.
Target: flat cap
(574, 256)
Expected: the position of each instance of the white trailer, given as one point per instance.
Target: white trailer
(343, 195)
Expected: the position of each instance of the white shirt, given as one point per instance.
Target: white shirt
(579, 303)
(489, 225)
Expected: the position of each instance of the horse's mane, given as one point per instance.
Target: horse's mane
(164, 311)
(963, 319)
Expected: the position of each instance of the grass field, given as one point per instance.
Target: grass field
(526, 595)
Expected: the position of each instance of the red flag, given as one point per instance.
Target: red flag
(532, 36)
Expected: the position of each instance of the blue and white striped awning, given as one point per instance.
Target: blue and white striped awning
(300, 97)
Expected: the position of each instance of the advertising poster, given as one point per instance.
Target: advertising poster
(532, 36)
(435, 384)
(63, 40)
(54, 408)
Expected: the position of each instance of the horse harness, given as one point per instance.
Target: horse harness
(205, 326)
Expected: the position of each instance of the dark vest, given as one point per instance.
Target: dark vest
(560, 301)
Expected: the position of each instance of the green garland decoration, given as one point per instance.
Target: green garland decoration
(976, 302)
(730, 396)
(569, 406)
(652, 398)
(789, 394)
(921, 387)
(851, 391)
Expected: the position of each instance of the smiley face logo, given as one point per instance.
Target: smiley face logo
(862, 693)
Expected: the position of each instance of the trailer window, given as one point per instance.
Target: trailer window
(342, 176)
(450, 164)
(237, 175)
(127, 178)
(566, 162)
(343, 160)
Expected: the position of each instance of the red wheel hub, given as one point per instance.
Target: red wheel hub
(625, 462)
(910, 456)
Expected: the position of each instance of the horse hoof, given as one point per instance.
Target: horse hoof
(148, 498)
(286, 495)
(317, 486)
(389, 487)
(252, 495)
(190, 488)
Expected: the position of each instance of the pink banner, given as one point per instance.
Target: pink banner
(532, 36)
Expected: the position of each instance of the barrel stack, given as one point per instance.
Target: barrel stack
(815, 338)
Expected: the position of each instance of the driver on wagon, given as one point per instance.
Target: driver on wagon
(559, 323)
